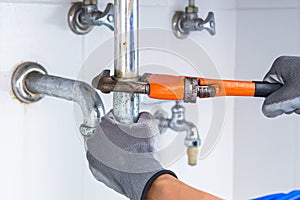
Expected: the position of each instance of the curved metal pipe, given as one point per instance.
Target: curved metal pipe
(88, 99)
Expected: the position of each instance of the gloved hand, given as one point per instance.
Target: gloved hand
(285, 70)
(122, 156)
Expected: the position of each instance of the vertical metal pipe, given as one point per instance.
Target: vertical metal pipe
(126, 106)
(90, 2)
(191, 3)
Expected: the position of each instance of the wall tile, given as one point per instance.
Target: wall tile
(264, 148)
(42, 154)
(244, 4)
(37, 1)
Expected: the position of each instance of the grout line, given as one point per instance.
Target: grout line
(36, 2)
(268, 8)
(83, 49)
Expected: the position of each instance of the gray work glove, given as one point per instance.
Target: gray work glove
(285, 70)
(122, 156)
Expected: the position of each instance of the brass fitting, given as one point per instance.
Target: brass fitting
(192, 155)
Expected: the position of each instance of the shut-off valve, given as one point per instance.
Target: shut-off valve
(185, 22)
(83, 16)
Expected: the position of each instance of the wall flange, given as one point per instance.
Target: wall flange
(18, 82)
(73, 18)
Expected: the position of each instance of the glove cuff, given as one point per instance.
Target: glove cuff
(153, 178)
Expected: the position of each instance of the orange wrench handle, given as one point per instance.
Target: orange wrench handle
(169, 87)
(166, 87)
(230, 87)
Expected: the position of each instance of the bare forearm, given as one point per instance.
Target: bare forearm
(168, 187)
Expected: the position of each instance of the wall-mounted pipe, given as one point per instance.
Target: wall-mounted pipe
(30, 82)
(126, 105)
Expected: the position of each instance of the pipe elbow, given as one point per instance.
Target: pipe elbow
(91, 106)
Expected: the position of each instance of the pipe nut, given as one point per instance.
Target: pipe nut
(86, 130)
(90, 2)
(191, 9)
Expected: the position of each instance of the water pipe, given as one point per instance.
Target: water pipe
(31, 82)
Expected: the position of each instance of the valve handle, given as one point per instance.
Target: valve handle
(209, 23)
(107, 17)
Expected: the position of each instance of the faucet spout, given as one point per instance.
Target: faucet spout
(178, 123)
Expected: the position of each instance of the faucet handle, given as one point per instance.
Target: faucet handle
(183, 23)
(82, 17)
(208, 24)
(106, 17)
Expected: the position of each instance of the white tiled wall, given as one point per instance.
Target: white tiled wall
(265, 150)
(41, 152)
(41, 156)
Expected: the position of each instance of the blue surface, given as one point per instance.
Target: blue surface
(294, 195)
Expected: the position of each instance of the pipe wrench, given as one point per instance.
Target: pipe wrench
(182, 88)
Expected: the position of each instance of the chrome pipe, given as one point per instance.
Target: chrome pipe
(126, 39)
(88, 99)
(126, 105)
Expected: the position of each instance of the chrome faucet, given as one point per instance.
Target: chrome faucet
(178, 123)
(185, 22)
(83, 16)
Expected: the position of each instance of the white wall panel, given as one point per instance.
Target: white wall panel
(267, 4)
(41, 153)
(264, 148)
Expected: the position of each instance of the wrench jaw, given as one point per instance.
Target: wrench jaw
(107, 84)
